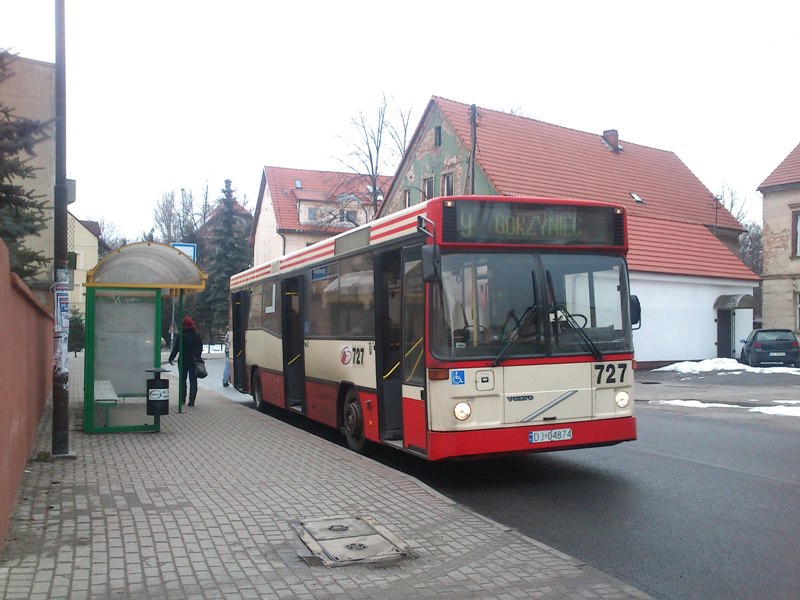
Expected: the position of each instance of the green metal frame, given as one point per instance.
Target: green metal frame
(181, 378)
(89, 425)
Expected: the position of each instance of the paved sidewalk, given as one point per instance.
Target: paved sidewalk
(208, 508)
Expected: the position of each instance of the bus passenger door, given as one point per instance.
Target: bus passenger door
(240, 308)
(415, 421)
(293, 340)
(388, 278)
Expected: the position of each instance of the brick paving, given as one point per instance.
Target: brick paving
(207, 509)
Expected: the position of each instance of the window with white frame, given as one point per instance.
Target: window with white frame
(796, 233)
(406, 198)
(312, 213)
(797, 311)
(427, 186)
(447, 184)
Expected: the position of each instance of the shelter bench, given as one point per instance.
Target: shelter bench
(104, 394)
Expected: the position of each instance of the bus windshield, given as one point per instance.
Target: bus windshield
(530, 304)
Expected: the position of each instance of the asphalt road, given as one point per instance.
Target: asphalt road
(705, 505)
(697, 508)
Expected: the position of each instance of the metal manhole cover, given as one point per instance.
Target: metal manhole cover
(338, 541)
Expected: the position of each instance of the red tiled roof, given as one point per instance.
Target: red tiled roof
(669, 229)
(522, 156)
(316, 186)
(675, 248)
(786, 173)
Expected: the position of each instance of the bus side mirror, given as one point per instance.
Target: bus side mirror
(636, 312)
(431, 264)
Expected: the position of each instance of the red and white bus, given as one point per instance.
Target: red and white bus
(459, 327)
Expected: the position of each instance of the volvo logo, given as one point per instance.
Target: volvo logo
(520, 398)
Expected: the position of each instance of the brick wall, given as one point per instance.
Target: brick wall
(26, 367)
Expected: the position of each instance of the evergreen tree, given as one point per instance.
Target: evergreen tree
(21, 212)
(77, 331)
(228, 253)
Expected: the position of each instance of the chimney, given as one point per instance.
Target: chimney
(611, 138)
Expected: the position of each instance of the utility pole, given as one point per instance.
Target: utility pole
(473, 119)
(60, 444)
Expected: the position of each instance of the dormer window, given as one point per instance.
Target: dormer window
(312, 213)
(298, 185)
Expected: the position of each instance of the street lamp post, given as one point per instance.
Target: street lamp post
(60, 441)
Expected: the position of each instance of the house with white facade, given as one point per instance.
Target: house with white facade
(696, 294)
(298, 207)
(781, 245)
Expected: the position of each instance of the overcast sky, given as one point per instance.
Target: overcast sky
(171, 94)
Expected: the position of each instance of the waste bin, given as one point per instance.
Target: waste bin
(157, 393)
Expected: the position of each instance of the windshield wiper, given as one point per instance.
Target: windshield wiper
(587, 340)
(512, 336)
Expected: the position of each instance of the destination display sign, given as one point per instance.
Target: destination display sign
(525, 223)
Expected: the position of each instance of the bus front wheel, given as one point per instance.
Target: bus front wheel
(353, 422)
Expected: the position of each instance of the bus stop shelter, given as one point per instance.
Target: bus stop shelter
(124, 295)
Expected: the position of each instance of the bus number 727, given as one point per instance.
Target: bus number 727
(613, 373)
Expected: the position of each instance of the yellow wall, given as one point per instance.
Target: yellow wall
(84, 244)
(31, 93)
(781, 269)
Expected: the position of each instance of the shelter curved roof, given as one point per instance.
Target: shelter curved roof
(147, 265)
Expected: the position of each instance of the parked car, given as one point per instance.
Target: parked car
(770, 346)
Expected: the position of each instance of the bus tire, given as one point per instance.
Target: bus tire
(256, 391)
(353, 422)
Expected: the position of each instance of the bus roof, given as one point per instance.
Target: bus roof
(387, 229)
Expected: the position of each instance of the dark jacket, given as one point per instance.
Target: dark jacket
(193, 348)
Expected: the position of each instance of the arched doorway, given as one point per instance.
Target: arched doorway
(726, 307)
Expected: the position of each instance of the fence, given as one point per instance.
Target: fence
(26, 368)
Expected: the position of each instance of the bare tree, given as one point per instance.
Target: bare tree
(750, 247)
(368, 155)
(731, 201)
(343, 212)
(165, 218)
(751, 251)
(188, 222)
(110, 235)
(180, 220)
(398, 129)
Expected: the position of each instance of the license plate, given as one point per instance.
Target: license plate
(549, 435)
(777, 353)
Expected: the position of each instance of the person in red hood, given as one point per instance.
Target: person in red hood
(191, 351)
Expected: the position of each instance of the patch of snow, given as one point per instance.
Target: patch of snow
(789, 411)
(694, 404)
(729, 366)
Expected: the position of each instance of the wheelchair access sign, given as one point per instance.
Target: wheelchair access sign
(457, 377)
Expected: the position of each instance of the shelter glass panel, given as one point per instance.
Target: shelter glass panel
(125, 346)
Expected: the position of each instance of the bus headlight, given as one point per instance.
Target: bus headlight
(462, 411)
(622, 399)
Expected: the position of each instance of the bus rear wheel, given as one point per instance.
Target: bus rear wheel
(353, 423)
(255, 389)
